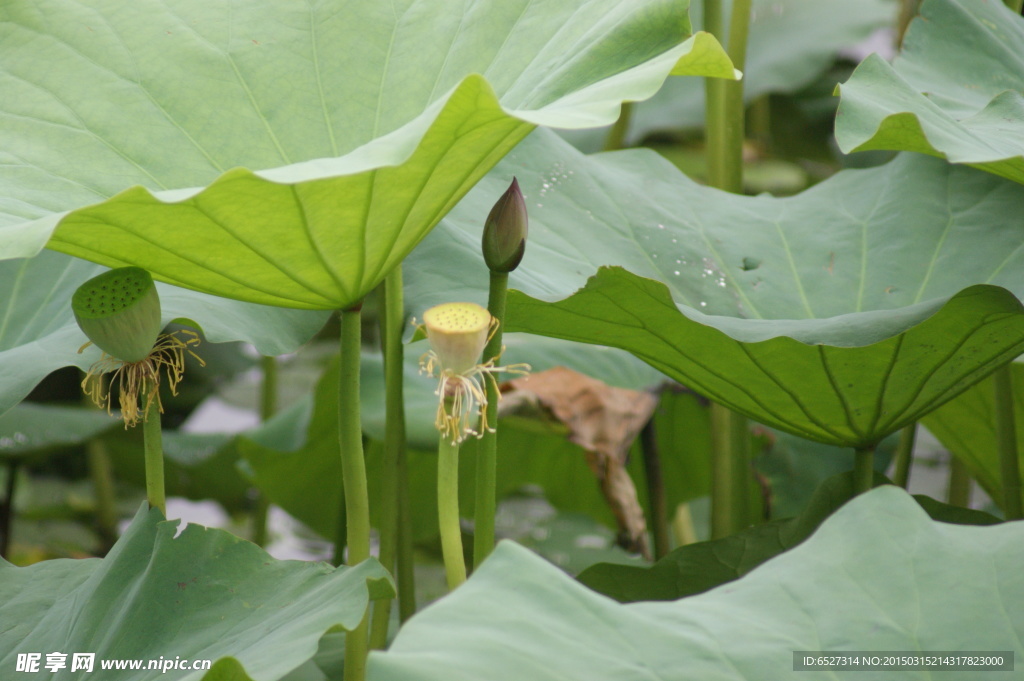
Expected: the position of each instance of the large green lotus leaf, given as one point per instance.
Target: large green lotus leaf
(818, 314)
(791, 43)
(966, 426)
(38, 332)
(203, 595)
(955, 91)
(877, 575)
(293, 153)
(844, 381)
(701, 566)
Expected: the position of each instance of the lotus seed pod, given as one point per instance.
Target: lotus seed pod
(457, 333)
(505, 231)
(120, 312)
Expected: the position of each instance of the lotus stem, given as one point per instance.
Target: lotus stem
(154, 451)
(905, 455)
(102, 476)
(724, 122)
(487, 459)
(714, 102)
(504, 243)
(406, 574)
(724, 493)
(655, 489)
(617, 135)
(958, 492)
(863, 469)
(448, 511)
(1006, 437)
(392, 319)
(353, 470)
(268, 405)
(7, 506)
(730, 176)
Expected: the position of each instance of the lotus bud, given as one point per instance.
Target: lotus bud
(505, 231)
(457, 333)
(120, 312)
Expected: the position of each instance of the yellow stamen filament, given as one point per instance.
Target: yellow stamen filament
(134, 377)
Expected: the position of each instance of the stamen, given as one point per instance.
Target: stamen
(132, 377)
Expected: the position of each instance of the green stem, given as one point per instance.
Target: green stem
(959, 490)
(759, 121)
(725, 128)
(655, 489)
(268, 391)
(392, 319)
(102, 476)
(154, 453)
(1006, 436)
(406, 568)
(1015, 5)
(7, 507)
(353, 470)
(617, 135)
(268, 405)
(743, 479)
(448, 512)
(714, 101)
(905, 455)
(863, 469)
(487, 461)
(730, 176)
(723, 492)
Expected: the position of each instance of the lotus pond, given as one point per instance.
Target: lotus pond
(505, 339)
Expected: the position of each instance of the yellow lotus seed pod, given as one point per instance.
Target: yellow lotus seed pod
(457, 333)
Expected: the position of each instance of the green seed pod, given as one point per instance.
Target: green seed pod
(119, 311)
(505, 231)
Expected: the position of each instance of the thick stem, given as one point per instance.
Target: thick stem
(448, 512)
(743, 478)
(714, 101)
(617, 135)
(102, 476)
(863, 469)
(353, 470)
(154, 452)
(487, 461)
(392, 319)
(406, 577)
(7, 507)
(730, 177)
(723, 492)
(958, 493)
(725, 130)
(655, 489)
(268, 405)
(1006, 436)
(268, 391)
(904, 455)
